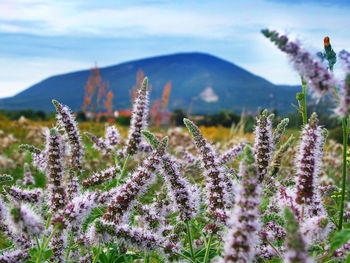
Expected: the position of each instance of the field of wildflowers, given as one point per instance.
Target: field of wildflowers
(98, 193)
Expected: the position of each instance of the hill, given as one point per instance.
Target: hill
(206, 81)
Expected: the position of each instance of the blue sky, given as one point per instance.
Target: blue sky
(40, 38)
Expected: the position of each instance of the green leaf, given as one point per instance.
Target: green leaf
(33, 252)
(47, 254)
(339, 239)
(275, 260)
(347, 260)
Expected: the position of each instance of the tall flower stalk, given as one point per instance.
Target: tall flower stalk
(67, 122)
(216, 186)
(263, 146)
(185, 197)
(243, 235)
(138, 119)
(309, 66)
(309, 161)
(55, 171)
(296, 245)
(126, 195)
(321, 80)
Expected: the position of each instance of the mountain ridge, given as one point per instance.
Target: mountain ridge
(206, 82)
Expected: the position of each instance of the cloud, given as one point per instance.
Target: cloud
(205, 19)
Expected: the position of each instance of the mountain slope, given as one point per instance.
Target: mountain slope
(207, 82)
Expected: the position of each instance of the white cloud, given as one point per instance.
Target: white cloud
(217, 19)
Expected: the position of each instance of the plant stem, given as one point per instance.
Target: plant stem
(147, 258)
(345, 148)
(97, 254)
(206, 256)
(303, 103)
(181, 255)
(123, 172)
(45, 243)
(117, 160)
(47, 224)
(190, 240)
(274, 248)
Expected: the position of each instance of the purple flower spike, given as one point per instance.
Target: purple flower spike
(231, 153)
(309, 162)
(112, 136)
(242, 238)
(67, 122)
(263, 146)
(309, 66)
(55, 171)
(136, 185)
(138, 119)
(217, 189)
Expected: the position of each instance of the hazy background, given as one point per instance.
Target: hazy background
(40, 38)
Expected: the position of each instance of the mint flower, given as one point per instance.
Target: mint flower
(309, 66)
(217, 194)
(242, 236)
(67, 122)
(14, 256)
(28, 178)
(31, 196)
(263, 146)
(138, 119)
(126, 195)
(55, 171)
(295, 244)
(232, 153)
(184, 196)
(309, 161)
(101, 177)
(112, 136)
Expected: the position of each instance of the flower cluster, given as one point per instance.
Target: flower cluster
(55, 170)
(112, 136)
(14, 256)
(296, 246)
(231, 153)
(101, 177)
(80, 207)
(99, 143)
(31, 196)
(20, 240)
(134, 237)
(309, 66)
(67, 123)
(342, 252)
(184, 196)
(28, 178)
(244, 226)
(218, 198)
(263, 146)
(25, 220)
(122, 202)
(279, 131)
(309, 161)
(58, 244)
(138, 119)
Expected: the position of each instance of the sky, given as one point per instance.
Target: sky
(41, 38)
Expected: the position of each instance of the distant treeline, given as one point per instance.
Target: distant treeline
(224, 118)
